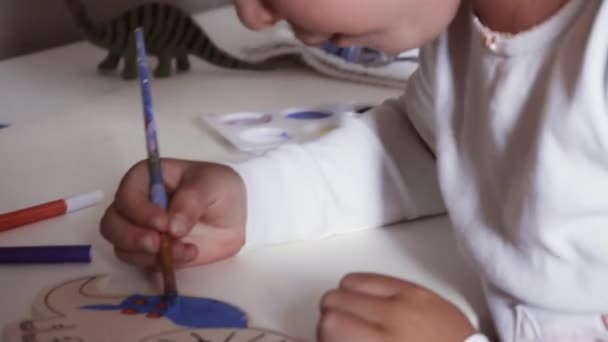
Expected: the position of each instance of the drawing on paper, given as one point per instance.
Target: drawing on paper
(79, 311)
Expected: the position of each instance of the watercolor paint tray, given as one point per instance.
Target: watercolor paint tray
(259, 131)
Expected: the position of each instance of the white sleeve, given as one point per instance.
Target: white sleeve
(370, 172)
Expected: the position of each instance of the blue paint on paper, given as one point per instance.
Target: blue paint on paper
(188, 312)
(308, 115)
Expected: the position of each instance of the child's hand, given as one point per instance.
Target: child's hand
(206, 193)
(375, 308)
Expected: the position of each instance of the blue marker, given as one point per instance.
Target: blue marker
(45, 254)
(158, 194)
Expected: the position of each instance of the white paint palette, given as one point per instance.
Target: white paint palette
(257, 132)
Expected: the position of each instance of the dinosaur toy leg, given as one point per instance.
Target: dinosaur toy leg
(183, 63)
(163, 69)
(109, 64)
(130, 70)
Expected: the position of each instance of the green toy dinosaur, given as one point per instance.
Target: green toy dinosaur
(169, 33)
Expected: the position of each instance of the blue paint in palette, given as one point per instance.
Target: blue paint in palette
(308, 115)
(191, 312)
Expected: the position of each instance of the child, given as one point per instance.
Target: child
(505, 125)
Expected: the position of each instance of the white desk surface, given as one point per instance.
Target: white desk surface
(75, 131)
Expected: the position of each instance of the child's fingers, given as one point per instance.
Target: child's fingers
(336, 326)
(127, 236)
(368, 308)
(135, 205)
(132, 199)
(182, 254)
(215, 243)
(187, 206)
(374, 284)
(142, 260)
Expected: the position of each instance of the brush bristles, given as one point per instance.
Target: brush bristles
(167, 267)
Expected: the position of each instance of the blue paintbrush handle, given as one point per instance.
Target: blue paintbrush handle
(158, 194)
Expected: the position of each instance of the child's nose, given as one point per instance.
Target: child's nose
(255, 15)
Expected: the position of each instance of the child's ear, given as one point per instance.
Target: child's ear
(256, 14)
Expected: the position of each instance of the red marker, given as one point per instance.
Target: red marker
(48, 210)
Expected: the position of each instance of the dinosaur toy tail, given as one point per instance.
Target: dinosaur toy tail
(208, 51)
(81, 18)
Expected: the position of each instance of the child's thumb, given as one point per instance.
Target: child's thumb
(186, 208)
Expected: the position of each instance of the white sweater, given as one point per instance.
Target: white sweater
(511, 133)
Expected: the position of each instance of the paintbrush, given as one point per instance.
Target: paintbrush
(158, 194)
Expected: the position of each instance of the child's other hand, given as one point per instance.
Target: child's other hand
(206, 193)
(375, 308)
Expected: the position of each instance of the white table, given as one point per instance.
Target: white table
(75, 131)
